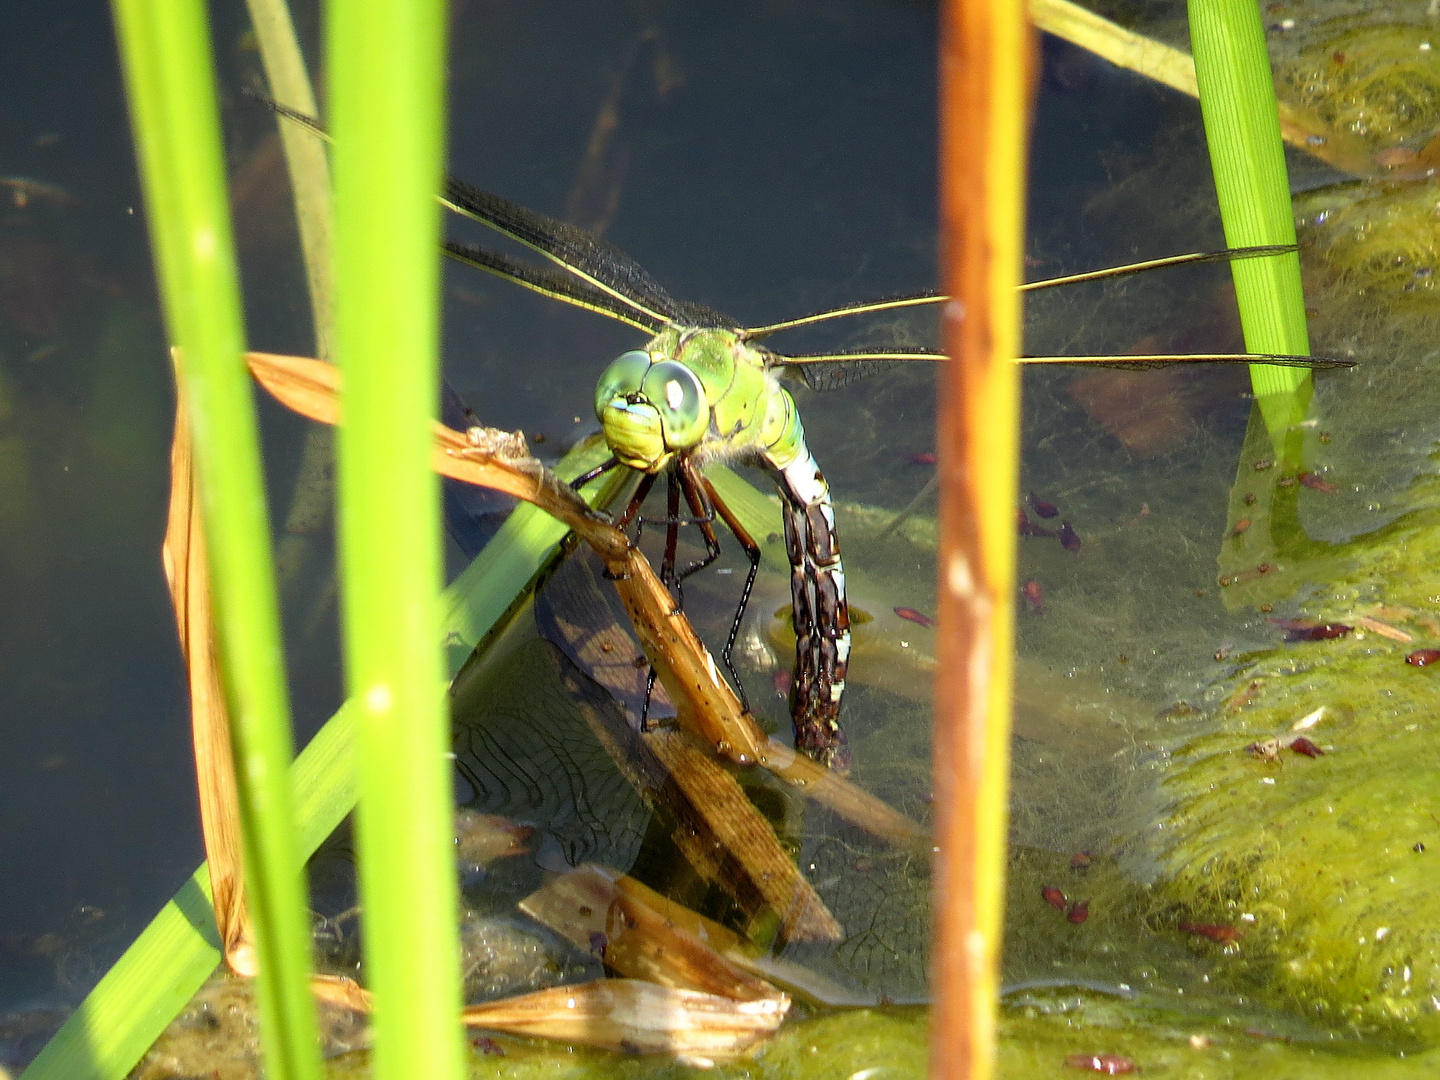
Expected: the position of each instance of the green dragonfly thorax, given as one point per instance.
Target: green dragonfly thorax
(694, 389)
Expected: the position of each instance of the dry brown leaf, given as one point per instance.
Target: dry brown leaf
(636, 1017)
(587, 907)
(188, 574)
(1384, 629)
(338, 990)
(549, 907)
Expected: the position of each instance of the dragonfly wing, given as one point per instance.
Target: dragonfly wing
(1158, 360)
(832, 375)
(589, 258)
(831, 371)
(551, 283)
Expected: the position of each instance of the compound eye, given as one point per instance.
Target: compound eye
(622, 378)
(675, 392)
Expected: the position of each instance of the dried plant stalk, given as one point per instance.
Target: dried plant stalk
(704, 702)
(636, 1017)
(587, 907)
(549, 907)
(188, 573)
(738, 848)
(987, 55)
(718, 829)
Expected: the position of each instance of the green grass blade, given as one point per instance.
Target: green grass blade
(386, 67)
(1237, 99)
(165, 50)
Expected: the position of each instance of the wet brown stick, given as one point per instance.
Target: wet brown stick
(705, 704)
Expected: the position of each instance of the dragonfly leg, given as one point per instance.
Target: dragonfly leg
(645, 726)
(636, 501)
(672, 541)
(633, 507)
(599, 470)
(752, 552)
(704, 515)
(700, 494)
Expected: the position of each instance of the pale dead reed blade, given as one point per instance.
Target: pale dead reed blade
(188, 574)
(631, 1016)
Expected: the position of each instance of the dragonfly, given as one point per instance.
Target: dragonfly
(704, 388)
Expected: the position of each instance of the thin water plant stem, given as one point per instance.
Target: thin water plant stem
(386, 64)
(165, 53)
(1242, 128)
(987, 53)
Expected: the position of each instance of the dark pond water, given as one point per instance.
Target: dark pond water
(770, 158)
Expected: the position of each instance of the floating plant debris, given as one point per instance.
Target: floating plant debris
(1316, 483)
(1034, 596)
(1310, 630)
(480, 839)
(1265, 749)
(917, 617)
(1029, 528)
(1384, 629)
(1223, 933)
(782, 679)
(1069, 540)
(634, 1016)
(1043, 508)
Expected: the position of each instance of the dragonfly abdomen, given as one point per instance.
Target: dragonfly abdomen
(819, 612)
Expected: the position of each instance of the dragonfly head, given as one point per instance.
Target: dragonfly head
(649, 410)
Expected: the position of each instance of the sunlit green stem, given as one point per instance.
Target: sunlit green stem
(1237, 99)
(165, 49)
(386, 67)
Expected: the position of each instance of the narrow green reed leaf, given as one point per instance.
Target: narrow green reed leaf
(386, 65)
(165, 53)
(1237, 100)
